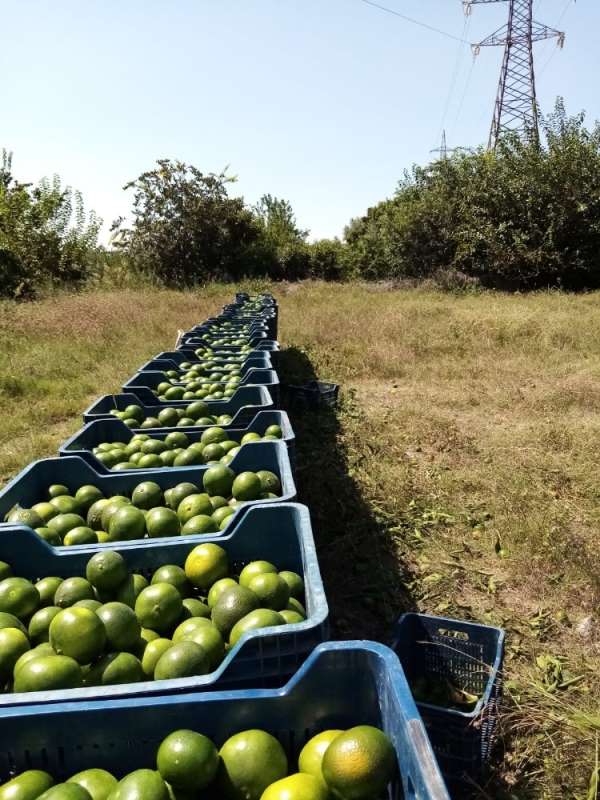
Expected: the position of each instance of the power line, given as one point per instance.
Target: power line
(464, 95)
(567, 8)
(415, 21)
(455, 73)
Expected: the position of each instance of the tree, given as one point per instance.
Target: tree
(284, 242)
(45, 235)
(186, 229)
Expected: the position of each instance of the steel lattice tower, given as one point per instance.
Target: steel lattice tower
(516, 102)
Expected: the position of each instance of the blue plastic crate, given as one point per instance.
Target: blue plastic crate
(312, 395)
(30, 485)
(114, 430)
(253, 377)
(340, 685)
(280, 533)
(469, 656)
(254, 340)
(242, 406)
(174, 359)
(270, 345)
(234, 326)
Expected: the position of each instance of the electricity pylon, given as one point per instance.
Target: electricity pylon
(516, 102)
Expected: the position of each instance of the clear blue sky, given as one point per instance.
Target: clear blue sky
(323, 102)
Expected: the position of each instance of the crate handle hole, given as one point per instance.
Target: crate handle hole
(454, 634)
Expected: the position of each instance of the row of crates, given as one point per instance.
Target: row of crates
(328, 684)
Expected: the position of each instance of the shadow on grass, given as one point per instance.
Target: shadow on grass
(365, 581)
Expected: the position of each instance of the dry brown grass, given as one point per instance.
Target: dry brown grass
(486, 408)
(458, 477)
(59, 354)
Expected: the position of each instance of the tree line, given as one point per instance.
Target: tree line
(524, 216)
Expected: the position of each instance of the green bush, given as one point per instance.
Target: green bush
(524, 216)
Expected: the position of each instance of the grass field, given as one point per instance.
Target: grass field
(459, 476)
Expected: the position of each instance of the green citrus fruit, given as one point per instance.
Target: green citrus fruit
(187, 760)
(162, 521)
(311, 755)
(168, 417)
(13, 643)
(255, 568)
(218, 480)
(81, 535)
(111, 507)
(106, 570)
(78, 633)
(94, 514)
(28, 785)
(56, 490)
(250, 762)
(152, 653)
(98, 783)
(44, 649)
(177, 439)
(65, 504)
(121, 626)
(127, 523)
(93, 605)
(87, 495)
(25, 516)
(47, 589)
(159, 607)
(179, 493)
(115, 668)
(173, 574)
(218, 588)
(71, 590)
(269, 481)
(232, 605)
(143, 784)
(196, 410)
(46, 673)
(18, 596)
(200, 524)
(260, 618)
(193, 607)
(297, 787)
(206, 564)
(210, 640)
(45, 512)
(292, 617)
(65, 791)
(8, 620)
(359, 763)
(271, 590)
(63, 523)
(274, 430)
(213, 435)
(193, 505)
(296, 605)
(147, 495)
(39, 624)
(246, 486)
(294, 582)
(183, 660)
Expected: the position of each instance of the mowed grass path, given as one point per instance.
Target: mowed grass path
(459, 476)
